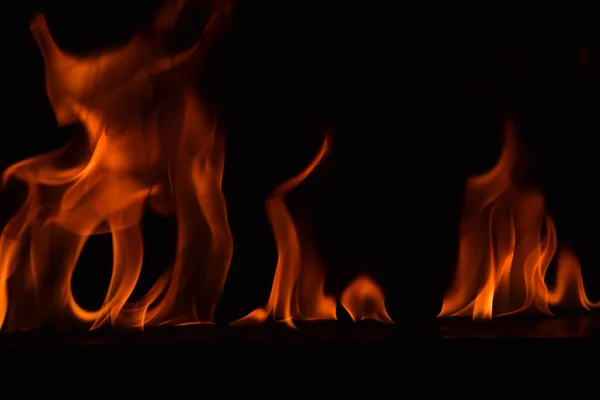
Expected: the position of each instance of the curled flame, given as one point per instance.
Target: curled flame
(507, 243)
(297, 290)
(148, 141)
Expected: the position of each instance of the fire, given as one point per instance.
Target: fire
(297, 291)
(363, 299)
(287, 293)
(507, 243)
(568, 290)
(148, 141)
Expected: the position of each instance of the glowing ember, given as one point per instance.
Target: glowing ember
(507, 243)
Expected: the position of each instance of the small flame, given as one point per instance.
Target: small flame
(297, 290)
(363, 299)
(569, 290)
(507, 243)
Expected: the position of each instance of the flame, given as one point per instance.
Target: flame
(149, 141)
(297, 290)
(507, 243)
(363, 299)
(298, 285)
(569, 290)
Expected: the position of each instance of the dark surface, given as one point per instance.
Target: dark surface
(521, 326)
(316, 358)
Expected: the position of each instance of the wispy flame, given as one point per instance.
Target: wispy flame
(507, 243)
(149, 141)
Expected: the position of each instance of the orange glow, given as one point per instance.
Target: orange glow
(148, 141)
(363, 299)
(507, 243)
(297, 290)
(585, 57)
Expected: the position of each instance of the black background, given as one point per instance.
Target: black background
(415, 95)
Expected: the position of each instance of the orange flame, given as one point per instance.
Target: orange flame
(507, 243)
(148, 141)
(569, 290)
(363, 299)
(297, 290)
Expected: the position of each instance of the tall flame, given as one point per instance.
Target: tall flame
(507, 243)
(297, 290)
(149, 141)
